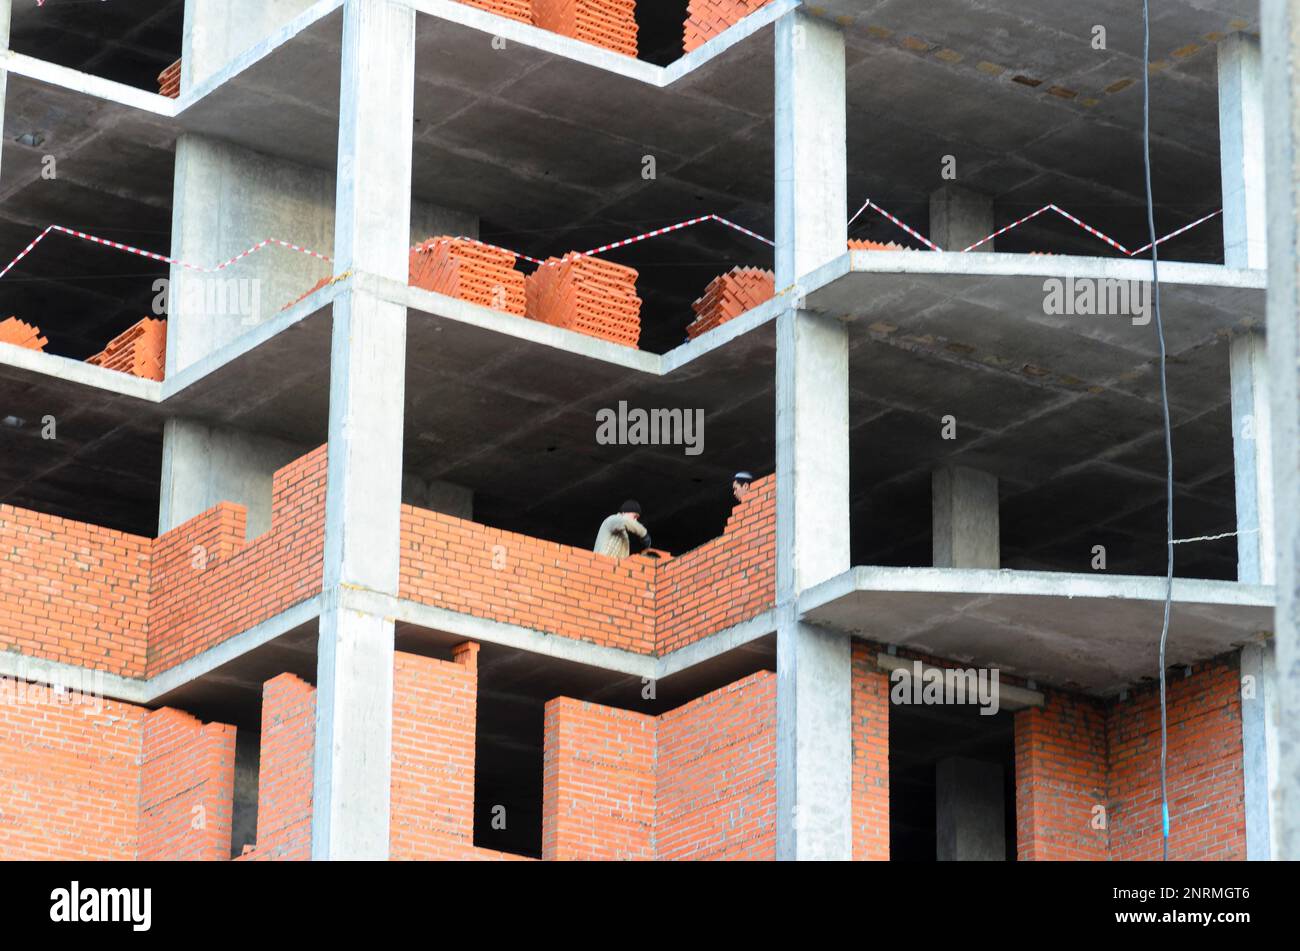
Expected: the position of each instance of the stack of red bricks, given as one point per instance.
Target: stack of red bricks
(317, 286)
(705, 19)
(588, 295)
(470, 271)
(169, 81)
(514, 9)
(607, 23)
(875, 246)
(27, 336)
(140, 351)
(730, 295)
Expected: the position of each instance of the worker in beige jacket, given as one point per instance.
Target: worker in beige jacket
(613, 538)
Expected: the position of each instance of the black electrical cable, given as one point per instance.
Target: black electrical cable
(1169, 441)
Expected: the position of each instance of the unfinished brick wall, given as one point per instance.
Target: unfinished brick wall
(1205, 779)
(1076, 754)
(287, 771)
(723, 582)
(209, 585)
(1061, 767)
(715, 793)
(187, 788)
(598, 783)
(459, 565)
(87, 778)
(698, 782)
(870, 713)
(69, 777)
(73, 592)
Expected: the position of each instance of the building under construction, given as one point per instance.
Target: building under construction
(332, 330)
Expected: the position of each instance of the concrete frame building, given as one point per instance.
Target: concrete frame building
(324, 588)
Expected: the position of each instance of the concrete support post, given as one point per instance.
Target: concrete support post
(814, 680)
(970, 812)
(959, 217)
(1241, 152)
(1259, 745)
(216, 31)
(1252, 447)
(811, 142)
(965, 516)
(354, 699)
(6, 11)
(1280, 28)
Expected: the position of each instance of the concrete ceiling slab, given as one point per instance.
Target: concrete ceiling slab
(1083, 632)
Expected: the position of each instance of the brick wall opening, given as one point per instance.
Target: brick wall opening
(929, 747)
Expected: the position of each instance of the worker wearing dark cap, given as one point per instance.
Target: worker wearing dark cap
(740, 483)
(614, 537)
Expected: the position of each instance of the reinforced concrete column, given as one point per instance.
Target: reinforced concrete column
(959, 217)
(970, 814)
(354, 698)
(965, 517)
(1252, 450)
(1280, 29)
(814, 681)
(1259, 745)
(216, 31)
(6, 11)
(1241, 152)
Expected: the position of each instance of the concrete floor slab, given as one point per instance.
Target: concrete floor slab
(1095, 633)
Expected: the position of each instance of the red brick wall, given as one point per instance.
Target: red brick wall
(462, 566)
(870, 713)
(1206, 792)
(434, 704)
(187, 788)
(598, 783)
(1060, 778)
(286, 772)
(73, 592)
(234, 585)
(723, 582)
(698, 782)
(716, 775)
(69, 777)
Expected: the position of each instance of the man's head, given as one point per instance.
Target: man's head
(740, 483)
(631, 508)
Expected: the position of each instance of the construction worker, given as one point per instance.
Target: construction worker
(740, 483)
(613, 537)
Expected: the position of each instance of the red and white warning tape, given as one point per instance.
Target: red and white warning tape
(153, 256)
(915, 234)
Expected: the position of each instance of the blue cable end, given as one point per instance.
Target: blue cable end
(1165, 809)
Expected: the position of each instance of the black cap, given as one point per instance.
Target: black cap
(743, 477)
(631, 505)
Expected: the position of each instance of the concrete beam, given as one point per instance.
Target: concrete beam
(1241, 152)
(1252, 452)
(354, 699)
(811, 146)
(970, 816)
(6, 13)
(959, 217)
(1280, 28)
(965, 517)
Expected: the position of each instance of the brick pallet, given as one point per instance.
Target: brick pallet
(607, 23)
(705, 19)
(169, 81)
(27, 336)
(588, 295)
(469, 271)
(730, 295)
(141, 350)
(514, 9)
